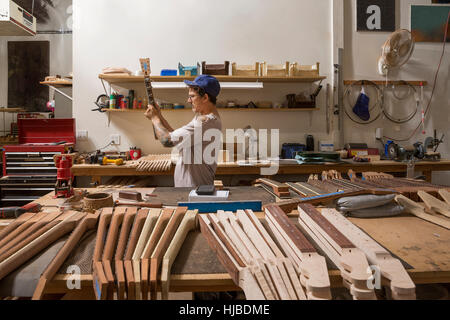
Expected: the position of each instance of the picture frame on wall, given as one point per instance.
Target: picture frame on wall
(376, 15)
(428, 22)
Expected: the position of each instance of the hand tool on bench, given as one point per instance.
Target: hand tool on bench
(188, 223)
(309, 265)
(40, 243)
(150, 245)
(391, 268)
(233, 260)
(139, 204)
(351, 261)
(15, 212)
(89, 222)
(161, 247)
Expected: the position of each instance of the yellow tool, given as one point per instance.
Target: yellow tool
(105, 161)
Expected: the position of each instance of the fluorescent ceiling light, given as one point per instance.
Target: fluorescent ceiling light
(224, 85)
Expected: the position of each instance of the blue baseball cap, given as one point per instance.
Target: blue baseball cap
(208, 83)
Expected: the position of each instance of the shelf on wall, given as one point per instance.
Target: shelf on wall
(390, 82)
(219, 109)
(120, 78)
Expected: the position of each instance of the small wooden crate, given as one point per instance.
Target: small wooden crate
(216, 69)
(245, 70)
(297, 70)
(275, 70)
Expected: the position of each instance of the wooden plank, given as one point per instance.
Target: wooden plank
(187, 224)
(120, 251)
(88, 223)
(300, 294)
(434, 204)
(419, 211)
(39, 244)
(311, 266)
(150, 246)
(161, 247)
(132, 242)
(325, 225)
(100, 281)
(110, 246)
(15, 224)
(442, 192)
(390, 267)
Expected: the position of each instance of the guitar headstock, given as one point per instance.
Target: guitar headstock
(145, 66)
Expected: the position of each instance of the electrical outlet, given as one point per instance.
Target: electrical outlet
(379, 133)
(114, 139)
(82, 135)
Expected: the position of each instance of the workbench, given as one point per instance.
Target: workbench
(423, 248)
(232, 168)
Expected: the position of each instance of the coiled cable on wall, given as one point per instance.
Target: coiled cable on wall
(378, 103)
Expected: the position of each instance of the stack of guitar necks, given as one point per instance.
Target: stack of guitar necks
(281, 263)
(135, 249)
(154, 163)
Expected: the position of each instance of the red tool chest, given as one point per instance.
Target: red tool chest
(28, 168)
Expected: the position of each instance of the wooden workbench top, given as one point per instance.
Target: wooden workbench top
(420, 244)
(231, 168)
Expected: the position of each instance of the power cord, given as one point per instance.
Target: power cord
(434, 86)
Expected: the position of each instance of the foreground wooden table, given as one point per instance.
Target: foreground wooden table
(232, 168)
(420, 244)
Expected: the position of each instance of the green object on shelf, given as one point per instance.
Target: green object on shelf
(317, 157)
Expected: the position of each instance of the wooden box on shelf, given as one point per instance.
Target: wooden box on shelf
(216, 69)
(275, 70)
(297, 70)
(245, 70)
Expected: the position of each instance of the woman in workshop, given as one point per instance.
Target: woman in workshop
(199, 141)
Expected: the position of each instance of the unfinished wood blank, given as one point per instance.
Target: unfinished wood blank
(161, 247)
(350, 260)
(120, 252)
(89, 222)
(240, 274)
(434, 204)
(309, 264)
(391, 268)
(419, 211)
(187, 224)
(40, 243)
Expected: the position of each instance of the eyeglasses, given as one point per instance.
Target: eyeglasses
(192, 97)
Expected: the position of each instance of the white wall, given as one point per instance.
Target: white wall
(117, 33)
(60, 57)
(362, 50)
